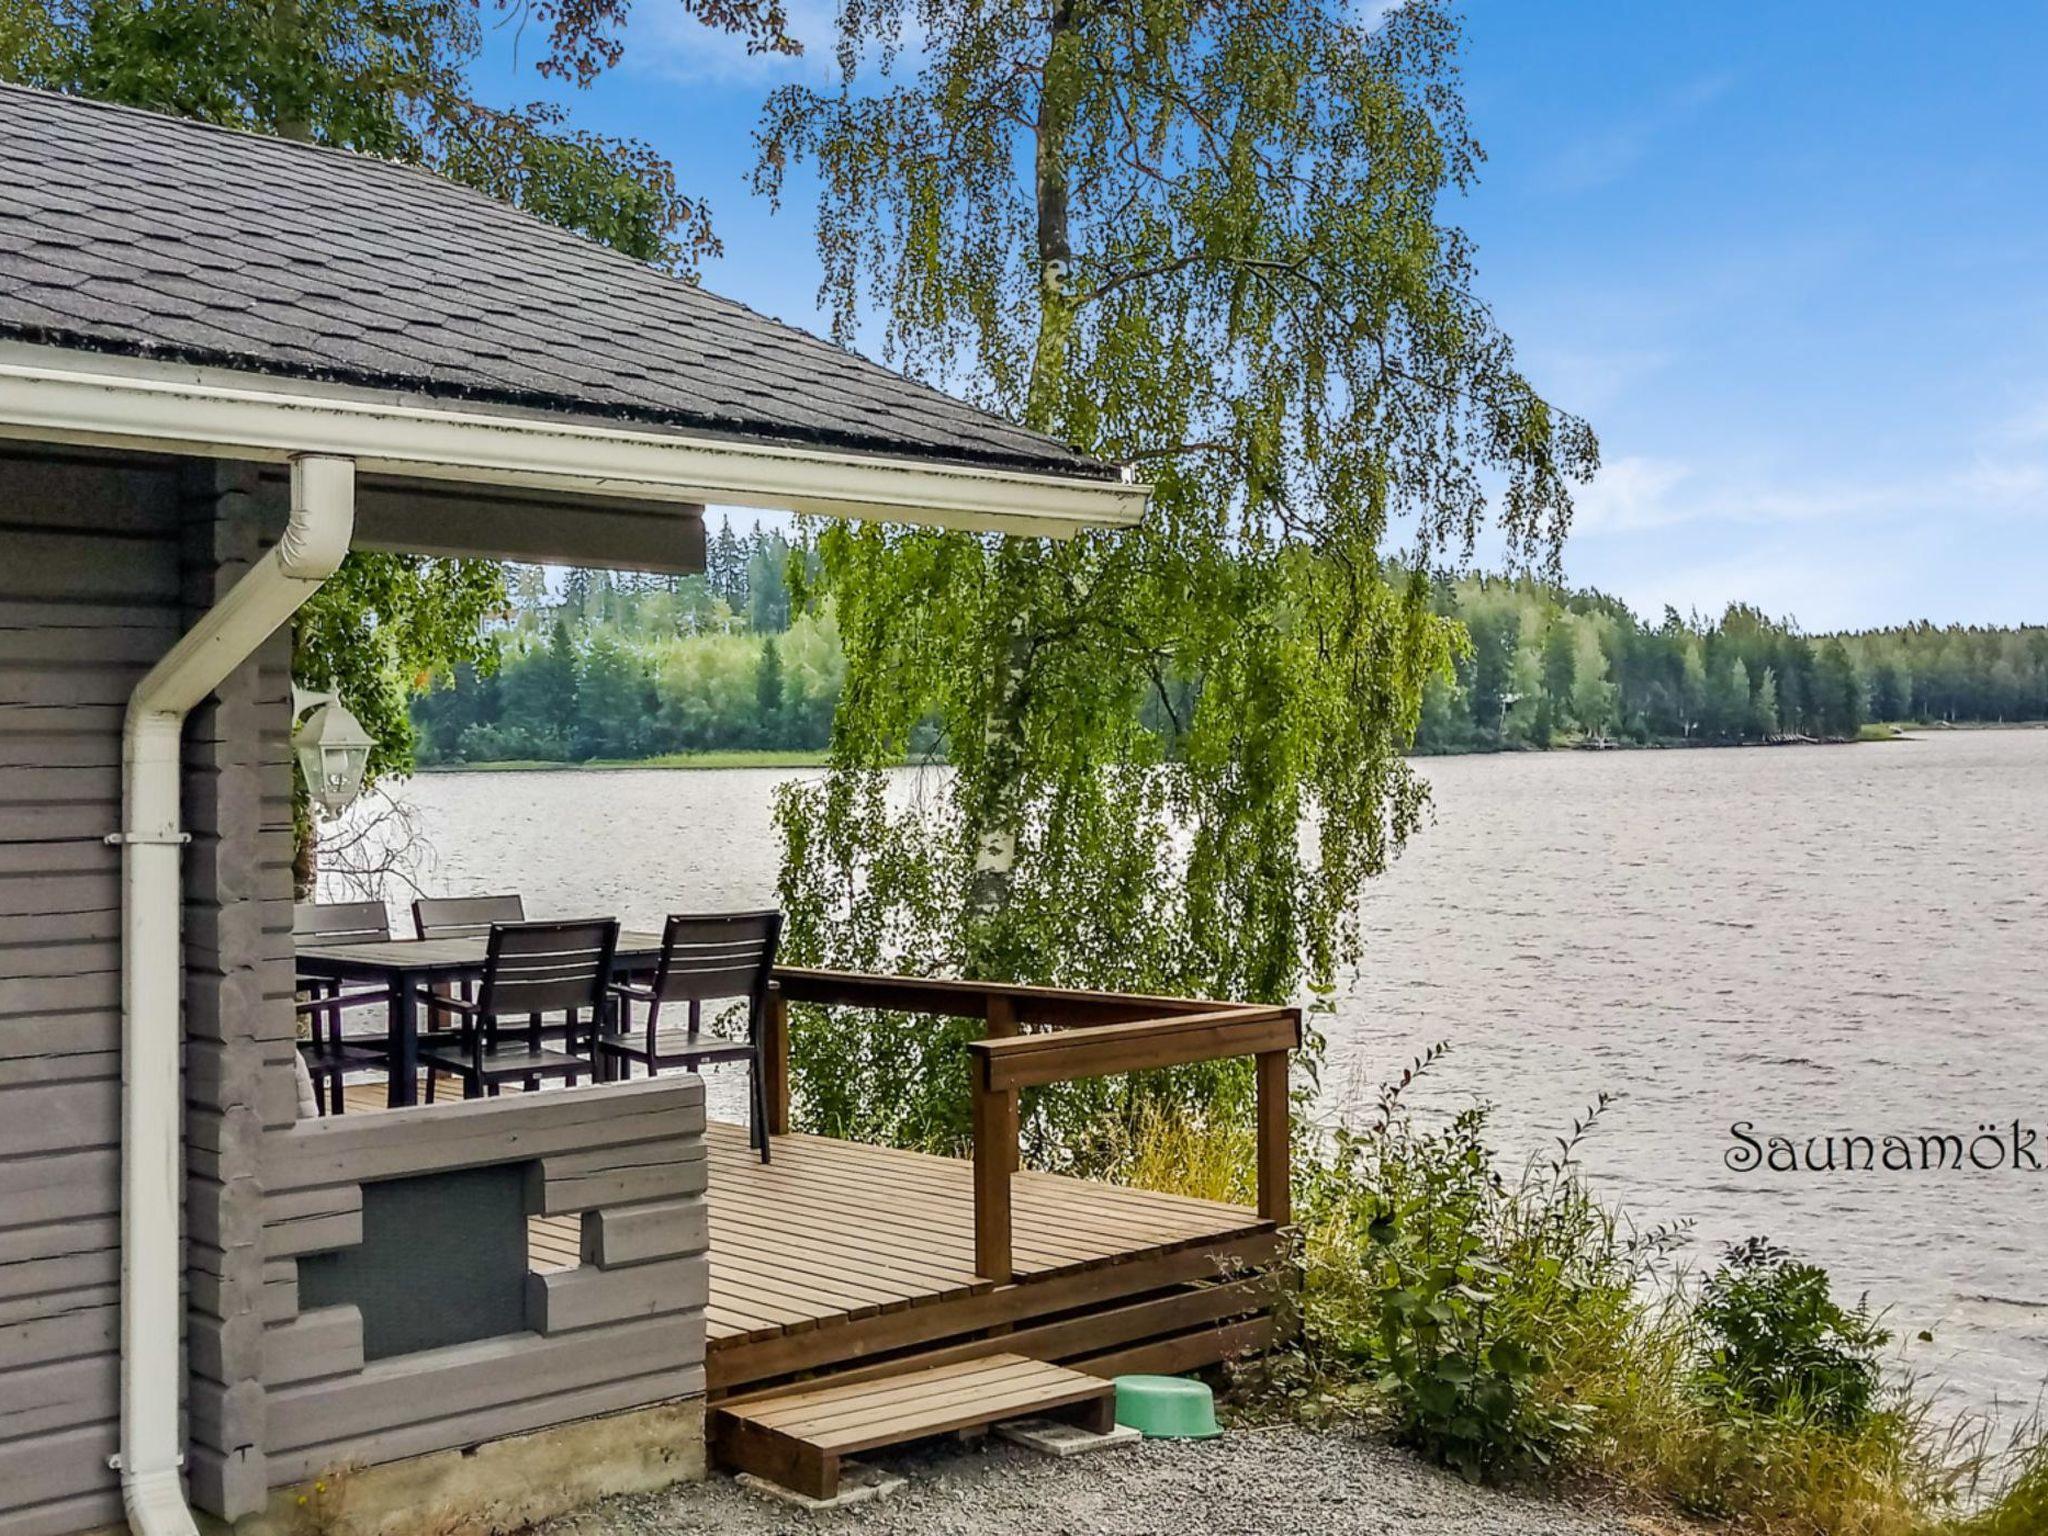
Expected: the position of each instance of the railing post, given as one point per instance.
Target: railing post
(995, 1154)
(1000, 1014)
(1275, 1172)
(775, 1061)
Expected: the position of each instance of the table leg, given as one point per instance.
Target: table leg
(405, 1054)
(391, 1036)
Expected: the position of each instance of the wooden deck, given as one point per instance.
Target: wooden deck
(850, 1259)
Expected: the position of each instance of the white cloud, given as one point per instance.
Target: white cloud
(1600, 159)
(2028, 424)
(1629, 493)
(1782, 577)
(1638, 492)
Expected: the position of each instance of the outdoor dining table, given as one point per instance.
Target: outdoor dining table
(405, 966)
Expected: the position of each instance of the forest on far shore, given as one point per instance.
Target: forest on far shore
(595, 665)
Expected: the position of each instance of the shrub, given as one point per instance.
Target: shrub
(1777, 1342)
(1452, 1290)
(1521, 1325)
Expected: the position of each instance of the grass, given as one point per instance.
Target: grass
(1178, 1154)
(1626, 1363)
(2021, 1507)
(737, 758)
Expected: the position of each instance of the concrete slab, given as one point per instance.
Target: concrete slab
(858, 1484)
(1054, 1438)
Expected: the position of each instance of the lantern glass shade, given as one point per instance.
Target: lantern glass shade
(333, 750)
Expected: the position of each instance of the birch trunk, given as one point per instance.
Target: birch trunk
(996, 815)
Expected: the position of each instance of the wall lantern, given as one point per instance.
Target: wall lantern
(333, 750)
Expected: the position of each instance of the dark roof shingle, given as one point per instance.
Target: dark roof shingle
(130, 232)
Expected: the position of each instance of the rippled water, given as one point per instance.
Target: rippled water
(1844, 940)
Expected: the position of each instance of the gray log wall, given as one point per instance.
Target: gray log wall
(625, 1328)
(89, 597)
(239, 1021)
(103, 558)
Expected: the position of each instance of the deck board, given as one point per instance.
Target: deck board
(833, 1232)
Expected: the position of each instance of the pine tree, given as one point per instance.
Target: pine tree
(726, 565)
(768, 689)
(576, 592)
(768, 584)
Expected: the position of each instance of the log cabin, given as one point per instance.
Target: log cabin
(226, 361)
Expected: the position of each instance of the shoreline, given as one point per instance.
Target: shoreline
(685, 761)
(1876, 733)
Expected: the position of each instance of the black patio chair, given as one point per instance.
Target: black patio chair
(704, 958)
(330, 1051)
(459, 917)
(464, 917)
(530, 969)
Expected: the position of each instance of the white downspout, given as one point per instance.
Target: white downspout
(153, 974)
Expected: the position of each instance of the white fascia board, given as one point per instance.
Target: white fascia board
(53, 394)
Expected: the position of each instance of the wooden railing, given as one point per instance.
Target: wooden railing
(1075, 1035)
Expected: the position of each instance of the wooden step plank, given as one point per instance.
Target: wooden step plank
(1021, 1400)
(799, 1438)
(938, 1388)
(822, 1402)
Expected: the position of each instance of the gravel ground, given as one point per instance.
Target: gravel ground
(1268, 1481)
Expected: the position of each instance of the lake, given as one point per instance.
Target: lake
(1816, 941)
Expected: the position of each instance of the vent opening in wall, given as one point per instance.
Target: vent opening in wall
(442, 1261)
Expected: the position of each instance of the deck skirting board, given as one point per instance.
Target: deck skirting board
(1060, 1318)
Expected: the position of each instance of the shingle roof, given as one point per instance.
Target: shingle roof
(126, 231)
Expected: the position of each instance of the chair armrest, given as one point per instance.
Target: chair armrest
(638, 994)
(429, 998)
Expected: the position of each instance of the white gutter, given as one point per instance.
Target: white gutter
(153, 974)
(53, 394)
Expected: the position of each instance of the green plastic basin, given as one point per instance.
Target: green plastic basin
(1166, 1407)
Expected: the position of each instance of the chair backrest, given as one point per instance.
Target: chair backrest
(464, 917)
(341, 922)
(546, 967)
(717, 955)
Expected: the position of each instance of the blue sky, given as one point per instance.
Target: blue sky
(1790, 259)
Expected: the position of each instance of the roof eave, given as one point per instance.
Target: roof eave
(54, 394)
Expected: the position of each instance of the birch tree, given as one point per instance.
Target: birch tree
(1203, 239)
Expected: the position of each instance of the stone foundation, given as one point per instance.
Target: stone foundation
(500, 1485)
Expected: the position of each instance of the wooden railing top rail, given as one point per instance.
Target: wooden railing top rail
(1030, 1061)
(1055, 1007)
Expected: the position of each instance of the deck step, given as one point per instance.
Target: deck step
(797, 1438)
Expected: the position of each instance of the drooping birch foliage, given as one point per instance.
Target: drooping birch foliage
(1208, 240)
